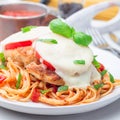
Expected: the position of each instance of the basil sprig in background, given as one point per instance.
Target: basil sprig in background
(61, 28)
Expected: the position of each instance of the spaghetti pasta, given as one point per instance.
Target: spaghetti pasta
(68, 97)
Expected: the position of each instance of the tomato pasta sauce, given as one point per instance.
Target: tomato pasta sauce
(21, 13)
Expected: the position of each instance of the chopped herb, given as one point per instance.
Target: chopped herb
(2, 66)
(18, 80)
(27, 28)
(95, 62)
(82, 38)
(97, 86)
(79, 62)
(103, 72)
(62, 88)
(61, 28)
(111, 78)
(49, 41)
(44, 91)
(2, 57)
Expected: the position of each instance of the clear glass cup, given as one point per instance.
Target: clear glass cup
(68, 7)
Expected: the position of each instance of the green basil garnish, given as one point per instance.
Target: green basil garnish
(61, 28)
(2, 57)
(103, 73)
(97, 86)
(79, 62)
(95, 62)
(18, 80)
(81, 38)
(2, 66)
(62, 88)
(27, 28)
(44, 91)
(111, 78)
(49, 41)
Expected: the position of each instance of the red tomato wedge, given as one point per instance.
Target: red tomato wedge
(101, 68)
(49, 65)
(38, 55)
(35, 95)
(55, 88)
(2, 78)
(15, 45)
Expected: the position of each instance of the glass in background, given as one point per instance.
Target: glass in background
(68, 7)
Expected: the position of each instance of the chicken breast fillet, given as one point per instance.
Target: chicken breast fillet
(43, 74)
(22, 55)
(25, 57)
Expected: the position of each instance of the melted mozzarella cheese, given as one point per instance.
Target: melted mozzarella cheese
(83, 80)
(62, 55)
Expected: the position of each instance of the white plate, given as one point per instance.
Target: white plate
(108, 39)
(111, 62)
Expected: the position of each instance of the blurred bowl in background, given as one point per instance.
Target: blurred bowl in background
(14, 16)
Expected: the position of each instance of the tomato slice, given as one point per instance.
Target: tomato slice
(55, 88)
(101, 68)
(49, 65)
(35, 95)
(2, 78)
(38, 55)
(15, 45)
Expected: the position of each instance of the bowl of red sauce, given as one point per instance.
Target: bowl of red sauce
(14, 16)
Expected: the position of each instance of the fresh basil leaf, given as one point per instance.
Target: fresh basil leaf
(97, 86)
(2, 66)
(79, 62)
(18, 80)
(81, 38)
(2, 57)
(61, 28)
(62, 88)
(103, 73)
(111, 78)
(44, 91)
(27, 28)
(49, 41)
(95, 62)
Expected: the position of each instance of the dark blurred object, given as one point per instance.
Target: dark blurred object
(47, 19)
(67, 9)
(45, 1)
